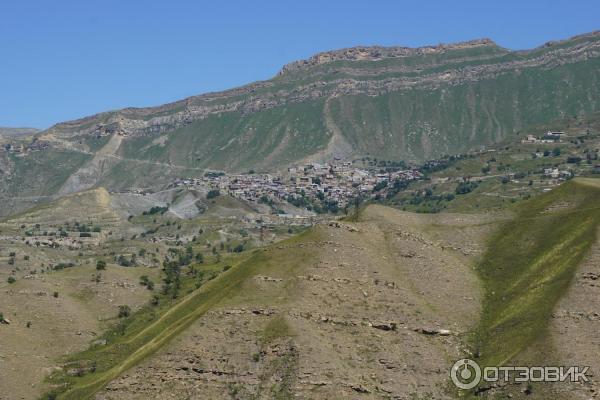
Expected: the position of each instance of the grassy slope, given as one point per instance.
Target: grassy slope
(233, 140)
(43, 172)
(529, 265)
(152, 328)
(410, 124)
(420, 124)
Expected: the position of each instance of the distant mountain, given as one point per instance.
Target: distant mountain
(392, 103)
(6, 132)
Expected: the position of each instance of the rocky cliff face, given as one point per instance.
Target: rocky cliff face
(377, 53)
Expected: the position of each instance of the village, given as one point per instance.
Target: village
(336, 183)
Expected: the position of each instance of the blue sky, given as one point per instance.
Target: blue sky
(61, 60)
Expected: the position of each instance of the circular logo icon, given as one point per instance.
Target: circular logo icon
(465, 374)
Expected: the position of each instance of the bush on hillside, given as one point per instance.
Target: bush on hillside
(213, 193)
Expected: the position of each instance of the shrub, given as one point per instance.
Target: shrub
(11, 279)
(213, 193)
(123, 261)
(156, 210)
(379, 186)
(100, 265)
(60, 266)
(465, 187)
(144, 280)
(124, 311)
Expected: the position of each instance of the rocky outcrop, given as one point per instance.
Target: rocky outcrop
(376, 53)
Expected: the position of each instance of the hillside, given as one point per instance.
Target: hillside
(358, 306)
(377, 307)
(537, 274)
(56, 298)
(391, 103)
(339, 311)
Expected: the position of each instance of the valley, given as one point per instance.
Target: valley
(347, 229)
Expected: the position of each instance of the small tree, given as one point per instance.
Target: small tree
(100, 265)
(124, 311)
(213, 193)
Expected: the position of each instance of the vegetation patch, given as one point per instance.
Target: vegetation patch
(276, 328)
(138, 335)
(529, 264)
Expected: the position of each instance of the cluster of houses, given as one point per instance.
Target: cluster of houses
(555, 173)
(335, 182)
(548, 137)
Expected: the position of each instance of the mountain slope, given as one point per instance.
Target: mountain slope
(9, 132)
(390, 103)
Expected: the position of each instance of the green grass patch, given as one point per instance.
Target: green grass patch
(276, 328)
(529, 264)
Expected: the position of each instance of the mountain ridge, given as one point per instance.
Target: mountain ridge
(351, 54)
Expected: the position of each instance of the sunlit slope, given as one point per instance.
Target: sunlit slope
(530, 263)
(339, 310)
(89, 207)
(387, 103)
